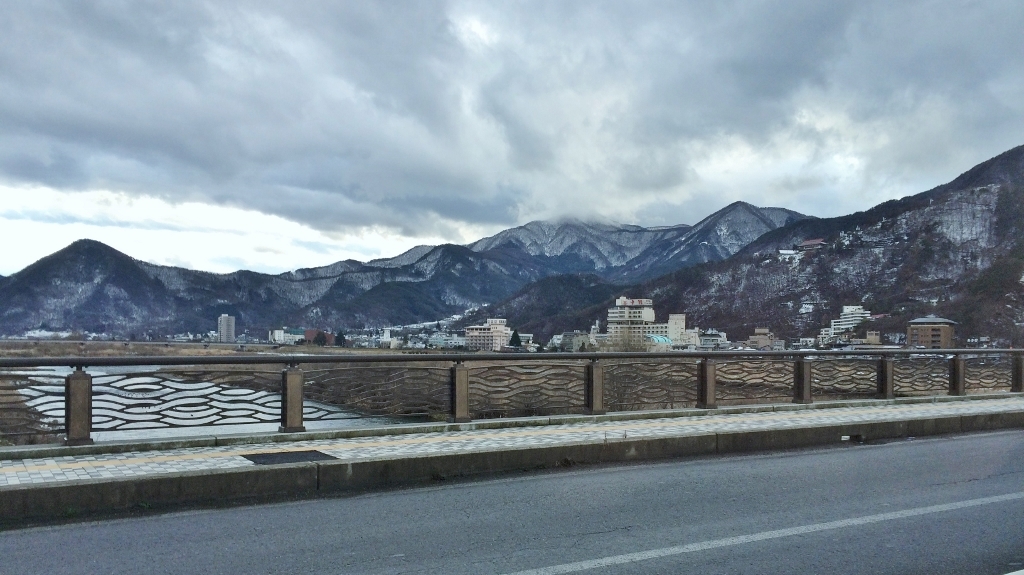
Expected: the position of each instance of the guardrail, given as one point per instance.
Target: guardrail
(184, 391)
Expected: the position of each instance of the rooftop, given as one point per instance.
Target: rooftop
(932, 319)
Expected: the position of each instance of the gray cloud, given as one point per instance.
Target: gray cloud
(428, 116)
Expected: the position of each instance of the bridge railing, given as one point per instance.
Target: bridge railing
(46, 399)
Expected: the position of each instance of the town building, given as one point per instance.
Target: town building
(310, 336)
(930, 332)
(556, 342)
(803, 342)
(657, 343)
(492, 336)
(285, 336)
(981, 341)
(713, 339)
(226, 328)
(851, 317)
(574, 341)
(446, 340)
(813, 244)
(764, 339)
(631, 320)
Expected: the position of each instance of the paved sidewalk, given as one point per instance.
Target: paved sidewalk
(41, 472)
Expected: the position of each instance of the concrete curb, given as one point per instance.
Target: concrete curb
(309, 480)
(45, 451)
(72, 499)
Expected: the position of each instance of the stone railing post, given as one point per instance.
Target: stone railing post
(886, 381)
(594, 388)
(460, 394)
(957, 380)
(78, 408)
(706, 385)
(802, 381)
(1017, 381)
(291, 400)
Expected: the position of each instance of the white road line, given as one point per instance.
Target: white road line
(765, 535)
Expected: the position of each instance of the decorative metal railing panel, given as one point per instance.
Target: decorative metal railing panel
(405, 391)
(757, 380)
(644, 385)
(184, 398)
(844, 378)
(988, 373)
(921, 375)
(31, 406)
(526, 389)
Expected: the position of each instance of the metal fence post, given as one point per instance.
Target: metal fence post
(594, 389)
(1017, 383)
(886, 381)
(802, 381)
(460, 394)
(291, 400)
(957, 380)
(78, 408)
(706, 385)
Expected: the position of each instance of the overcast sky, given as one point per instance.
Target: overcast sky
(272, 136)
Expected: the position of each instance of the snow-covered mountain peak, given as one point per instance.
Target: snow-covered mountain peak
(605, 244)
(406, 258)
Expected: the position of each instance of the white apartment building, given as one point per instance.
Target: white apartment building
(849, 318)
(631, 320)
(286, 336)
(491, 336)
(226, 328)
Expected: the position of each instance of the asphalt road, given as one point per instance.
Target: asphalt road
(929, 506)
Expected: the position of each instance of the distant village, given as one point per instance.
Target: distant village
(630, 325)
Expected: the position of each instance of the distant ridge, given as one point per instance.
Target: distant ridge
(93, 287)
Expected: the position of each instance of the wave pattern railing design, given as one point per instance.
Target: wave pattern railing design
(402, 391)
(31, 406)
(192, 391)
(188, 398)
(844, 378)
(988, 373)
(920, 375)
(526, 389)
(645, 385)
(184, 398)
(757, 380)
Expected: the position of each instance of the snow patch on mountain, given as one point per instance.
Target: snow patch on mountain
(604, 244)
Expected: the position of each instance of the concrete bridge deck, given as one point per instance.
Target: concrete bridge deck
(46, 482)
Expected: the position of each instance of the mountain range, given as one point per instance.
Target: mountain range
(956, 251)
(92, 287)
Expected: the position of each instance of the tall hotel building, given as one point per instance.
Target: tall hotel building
(226, 328)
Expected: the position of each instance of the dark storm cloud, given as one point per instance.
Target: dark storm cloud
(425, 116)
